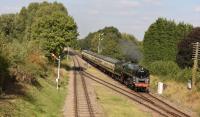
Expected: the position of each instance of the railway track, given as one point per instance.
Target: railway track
(82, 104)
(157, 100)
(148, 100)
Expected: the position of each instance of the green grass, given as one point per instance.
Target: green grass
(45, 101)
(189, 99)
(117, 106)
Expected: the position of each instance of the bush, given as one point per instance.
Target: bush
(169, 70)
(3, 71)
(164, 68)
(184, 75)
(26, 60)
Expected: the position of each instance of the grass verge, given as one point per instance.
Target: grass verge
(177, 92)
(43, 101)
(117, 106)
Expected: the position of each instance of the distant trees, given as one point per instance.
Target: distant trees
(109, 43)
(161, 39)
(185, 50)
(114, 44)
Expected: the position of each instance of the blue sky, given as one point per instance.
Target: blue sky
(130, 16)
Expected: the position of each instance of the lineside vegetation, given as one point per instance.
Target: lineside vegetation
(27, 40)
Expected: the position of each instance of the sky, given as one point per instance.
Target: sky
(129, 16)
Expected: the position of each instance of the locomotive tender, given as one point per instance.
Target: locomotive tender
(132, 75)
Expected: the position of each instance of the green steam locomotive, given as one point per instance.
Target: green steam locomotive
(132, 75)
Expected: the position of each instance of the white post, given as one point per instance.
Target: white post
(59, 67)
(189, 84)
(160, 88)
(67, 52)
(57, 83)
(57, 79)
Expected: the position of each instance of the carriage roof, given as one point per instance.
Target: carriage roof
(108, 59)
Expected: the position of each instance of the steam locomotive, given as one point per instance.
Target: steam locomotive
(132, 75)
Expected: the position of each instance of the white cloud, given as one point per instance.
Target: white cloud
(146, 18)
(129, 3)
(154, 2)
(94, 12)
(197, 9)
(125, 13)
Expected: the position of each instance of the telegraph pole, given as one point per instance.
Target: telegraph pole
(99, 43)
(195, 57)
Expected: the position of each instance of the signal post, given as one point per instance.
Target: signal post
(195, 57)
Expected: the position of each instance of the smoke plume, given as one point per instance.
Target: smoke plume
(130, 50)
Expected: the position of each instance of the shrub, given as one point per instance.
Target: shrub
(164, 68)
(171, 71)
(26, 60)
(184, 75)
(3, 71)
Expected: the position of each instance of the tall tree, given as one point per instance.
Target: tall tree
(56, 31)
(7, 25)
(184, 55)
(161, 39)
(38, 27)
(21, 23)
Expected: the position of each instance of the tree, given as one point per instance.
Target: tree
(109, 44)
(113, 44)
(129, 37)
(51, 24)
(161, 39)
(7, 25)
(55, 31)
(184, 55)
(38, 27)
(21, 24)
